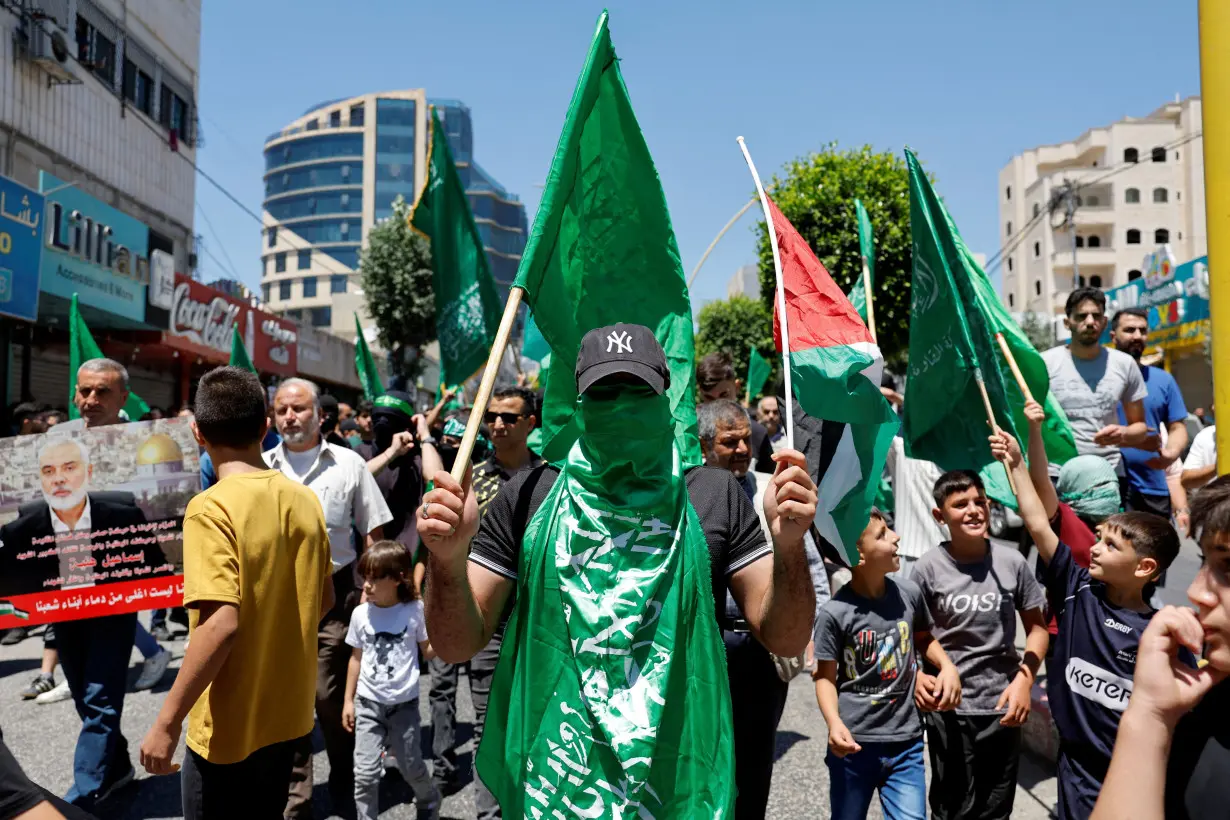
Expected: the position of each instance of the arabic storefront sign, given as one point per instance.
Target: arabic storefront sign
(1176, 297)
(91, 523)
(21, 246)
(94, 250)
(202, 321)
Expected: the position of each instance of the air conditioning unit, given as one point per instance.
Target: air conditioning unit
(49, 46)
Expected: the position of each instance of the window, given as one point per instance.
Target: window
(279, 263)
(1009, 264)
(1011, 301)
(356, 115)
(1161, 236)
(1095, 281)
(96, 51)
(1080, 241)
(1178, 196)
(1080, 281)
(309, 287)
(1133, 236)
(284, 289)
(1095, 242)
(1158, 155)
(1008, 192)
(1037, 287)
(1133, 275)
(322, 316)
(312, 125)
(1008, 229)
(335, 119)
(173, 111)
(337, 283)
(305, 259)
(1092, 201)
(1131, 155)
(266, 288)
(1037, 209)
(1131, 196)
(1180, 236)
(1159, 195)
(273, 237)
(1037, 249)
(138, 88)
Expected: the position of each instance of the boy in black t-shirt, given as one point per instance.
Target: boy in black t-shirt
(865, 642)
(1102, 613)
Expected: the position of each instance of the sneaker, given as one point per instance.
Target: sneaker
(14, 636)
(429, 811)
(152, 671)
(161, 633)
(110, 787)
(42, 683)
(59, 693)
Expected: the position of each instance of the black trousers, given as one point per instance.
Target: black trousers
(974, 764)
(254, 787)
(758, 698)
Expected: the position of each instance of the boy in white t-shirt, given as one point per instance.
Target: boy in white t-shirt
(382, 684)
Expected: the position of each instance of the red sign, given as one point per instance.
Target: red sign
(203, 321)
(92, 602)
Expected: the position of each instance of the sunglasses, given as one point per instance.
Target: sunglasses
(508, 418)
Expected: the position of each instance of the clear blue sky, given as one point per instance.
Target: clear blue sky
(965, 84)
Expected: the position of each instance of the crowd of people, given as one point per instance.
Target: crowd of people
(331, 560)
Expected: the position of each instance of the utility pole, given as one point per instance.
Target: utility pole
(1067, 198)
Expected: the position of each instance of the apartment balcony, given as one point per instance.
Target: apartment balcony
(1085, 257)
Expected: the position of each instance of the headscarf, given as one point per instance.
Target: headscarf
(1089, 486)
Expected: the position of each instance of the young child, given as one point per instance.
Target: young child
(257, 580)
(388, 633)
(865, 638)
(1102, 613)
(974, 590)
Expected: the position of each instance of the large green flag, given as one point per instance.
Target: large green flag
(867, 249)
(365, 365)
(757, 373)
(954, 316)
(239, 353)
(602, 250)
(467, 304)
(82, 348)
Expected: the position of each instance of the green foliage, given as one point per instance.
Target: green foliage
(1039, 330)
(395, 274)
(817, 195)
(734, 325)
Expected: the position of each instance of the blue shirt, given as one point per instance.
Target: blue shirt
(209, 477)
(1163, 406)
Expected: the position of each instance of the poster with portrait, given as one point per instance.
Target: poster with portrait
(91, 521)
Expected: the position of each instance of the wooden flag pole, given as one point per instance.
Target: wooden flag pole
(788, 416)
(1016, 371)
(871, 311)
(986, 402)
(487, 384)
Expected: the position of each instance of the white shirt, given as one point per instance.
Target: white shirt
(389, 639)
(83, 523)
(63, 532)
(913, 482)
(347, 493)
(1204, 450)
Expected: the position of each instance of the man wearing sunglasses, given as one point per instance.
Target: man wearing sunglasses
(512, 414)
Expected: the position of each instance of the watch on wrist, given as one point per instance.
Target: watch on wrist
(429, 440)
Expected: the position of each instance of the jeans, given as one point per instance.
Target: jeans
(158, 616)
(94, 656)
(895, 769)
(377, 725)
(145, 643)
(443, 697)
(254, 787)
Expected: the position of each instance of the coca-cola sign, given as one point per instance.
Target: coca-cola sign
(203, 322)
(207, 323)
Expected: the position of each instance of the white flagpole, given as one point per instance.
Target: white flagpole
(788, 416)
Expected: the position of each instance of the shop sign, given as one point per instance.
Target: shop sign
(203, 321)
(1175, 296)
(21, 246)
(93, 250)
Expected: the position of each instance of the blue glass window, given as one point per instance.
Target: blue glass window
(273, 236)
(321, 146)
(279, 262)
(315, 176)
(309, 287)
(348, 255)
(395, 112)
(356, 115)
(284, 289)
(322, 316)
(329, 230)
(305, 259)
(266, 288)
(324, 202)
(337, 283)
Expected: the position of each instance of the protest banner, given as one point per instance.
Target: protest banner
(91, 521)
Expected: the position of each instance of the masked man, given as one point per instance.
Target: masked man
(610, 695)
(394, 461)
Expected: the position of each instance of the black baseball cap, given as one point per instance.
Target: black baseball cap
(622, 348)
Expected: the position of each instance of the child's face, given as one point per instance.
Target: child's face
(877, 548)
(1210, 592)
(382, 591)
(1114, 561)
(966, 512)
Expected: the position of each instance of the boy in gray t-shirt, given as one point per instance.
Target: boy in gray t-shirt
(973, 591)
(865, 639)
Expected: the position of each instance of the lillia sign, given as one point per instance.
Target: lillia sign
(203, 319)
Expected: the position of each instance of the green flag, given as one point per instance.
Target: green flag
(239, 353)
(866, 249)
(954, 316)
(533, 346)
(365, 365)
(467, 304)
(82, 348)
(602, 250)
(757, 373)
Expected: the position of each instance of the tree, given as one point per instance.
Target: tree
(734, 325)
(1039, 330)
(395, 274)
(817, 195)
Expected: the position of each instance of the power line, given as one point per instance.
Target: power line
(231, 265)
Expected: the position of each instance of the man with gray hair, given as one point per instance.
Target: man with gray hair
(350, 498)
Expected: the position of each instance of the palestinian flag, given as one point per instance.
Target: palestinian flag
(7, 608)
(835, 368)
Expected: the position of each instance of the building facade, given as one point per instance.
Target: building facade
(334, 173)
(744, 282)
(1139, 185)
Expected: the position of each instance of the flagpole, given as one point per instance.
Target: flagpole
(1016, 371)
(986, 402)
(871, 313)
(788, 416)
(487, 384)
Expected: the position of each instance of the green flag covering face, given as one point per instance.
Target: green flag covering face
(602, 250)
(867, 249)
(467, 304)
(757, 373)
(239, 353)
(82, 348)
(365, 365)
(612, 684)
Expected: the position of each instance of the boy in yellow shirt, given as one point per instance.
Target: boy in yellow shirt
(256, 583)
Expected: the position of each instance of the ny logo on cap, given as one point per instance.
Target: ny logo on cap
(619, 342)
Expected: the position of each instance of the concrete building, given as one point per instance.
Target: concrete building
(335, 172)
(744, 282)
(1141, 185)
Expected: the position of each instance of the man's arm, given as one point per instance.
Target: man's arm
(210, 647)
(1137, 431)
(1194, 479)
(433, 415)
(432, 463)
(403, 443)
